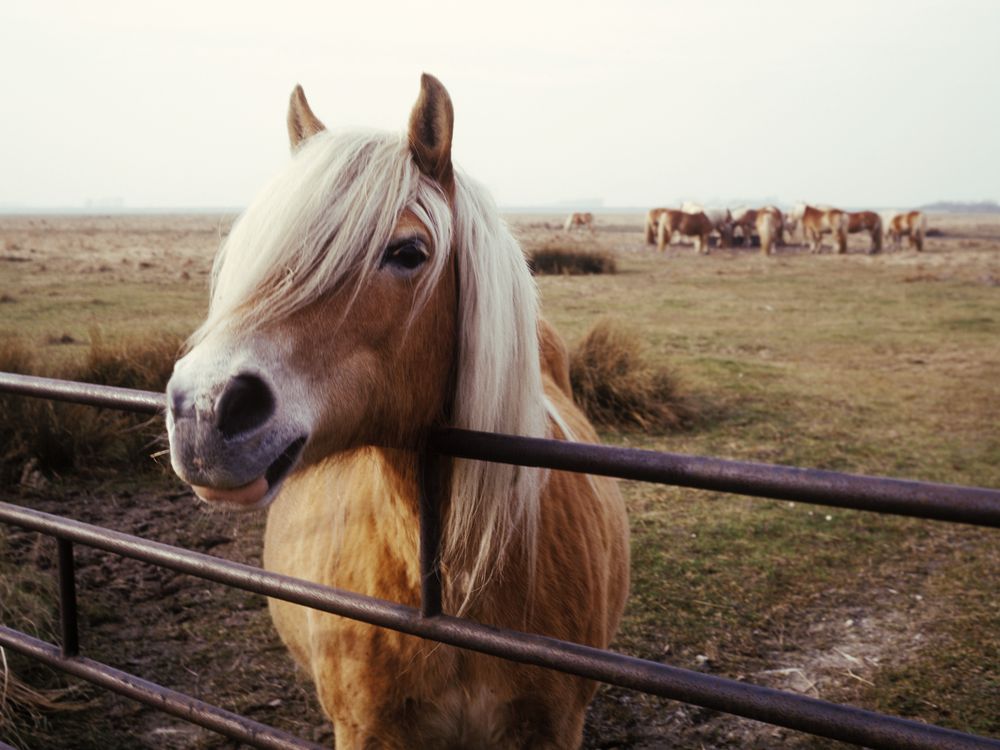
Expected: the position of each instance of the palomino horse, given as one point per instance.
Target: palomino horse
(369, 293)
(790, 226)
(687, 225)
(585, 220)
(912, 224)
(652, 222)
(866, 221)
(817, 221)
(770, 227)
(745, 220)
(721, 219)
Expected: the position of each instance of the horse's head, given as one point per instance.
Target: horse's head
(333, 315)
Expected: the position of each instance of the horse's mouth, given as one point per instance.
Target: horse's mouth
(283, 464)
(260, 491)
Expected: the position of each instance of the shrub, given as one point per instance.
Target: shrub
(553, 258)
(616, 387)
(40, 437)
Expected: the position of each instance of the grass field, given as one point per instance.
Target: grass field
(886, 364)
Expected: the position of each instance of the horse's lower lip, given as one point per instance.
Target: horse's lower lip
(246, 496)
(253, 493)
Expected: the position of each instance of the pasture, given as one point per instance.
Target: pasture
(884, 364)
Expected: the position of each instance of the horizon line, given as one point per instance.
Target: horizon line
(559, 207)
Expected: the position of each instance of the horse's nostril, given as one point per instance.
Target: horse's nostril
(246, 404)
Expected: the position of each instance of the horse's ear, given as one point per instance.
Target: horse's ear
(302, 123)
(431, 123)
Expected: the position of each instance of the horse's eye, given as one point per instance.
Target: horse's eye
(405, 255)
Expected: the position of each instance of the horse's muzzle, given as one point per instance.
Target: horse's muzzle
(229, 440)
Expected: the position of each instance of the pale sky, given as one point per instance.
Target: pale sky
(857, 103)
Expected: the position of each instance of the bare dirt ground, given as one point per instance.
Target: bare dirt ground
(217, 643)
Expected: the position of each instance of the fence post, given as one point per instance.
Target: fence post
(67, 598)
(429, 480)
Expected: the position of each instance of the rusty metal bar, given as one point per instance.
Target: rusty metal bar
(112, 397)
(846, 723)
(429, 491)
(67, 599)
(942, 502)
(161, 698)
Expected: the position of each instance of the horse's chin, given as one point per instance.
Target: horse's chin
(259, 492)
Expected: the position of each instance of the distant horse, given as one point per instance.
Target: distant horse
(817, 221)
(770, 227)
(585, 219)
(687, 225)
(721, 218)
(368, 294)
(866, 221)
(911, 224)
(652, 221)
(745, 220)
(790, 226)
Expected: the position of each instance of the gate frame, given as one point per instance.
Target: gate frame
(979, 506)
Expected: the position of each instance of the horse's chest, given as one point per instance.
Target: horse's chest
(378, 681)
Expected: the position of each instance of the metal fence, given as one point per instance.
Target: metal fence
(934, 501)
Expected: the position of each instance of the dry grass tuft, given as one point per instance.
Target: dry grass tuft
(144, 364)
(25, 601)
(16, 357)
(615, 385)
(555, 258)
(39, 438)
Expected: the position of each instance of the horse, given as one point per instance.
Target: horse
(770, 227)
(819, 220)
(652, 221)
(372, 292)
(688, 225)
(789, 226)
(585, 219)
(721, 219)
(745, 219)
(912, 224)
(866, 221)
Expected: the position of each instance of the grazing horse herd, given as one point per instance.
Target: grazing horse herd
(770, 225)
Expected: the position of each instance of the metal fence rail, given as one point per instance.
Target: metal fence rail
(943, 502)
(790, 710)
(850, 724)
(163, 699)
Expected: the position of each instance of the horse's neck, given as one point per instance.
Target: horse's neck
(367, 503)
(395, 468)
